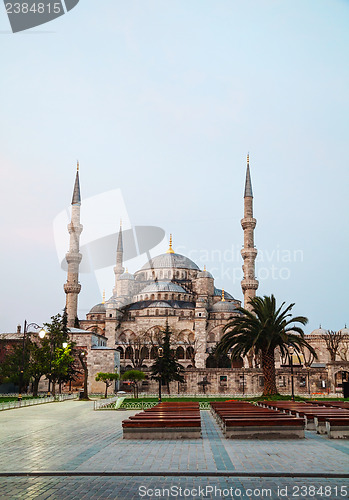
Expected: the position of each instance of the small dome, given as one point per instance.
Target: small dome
(126, 276)
(223, 306)
(163, 286)
(98, 308)
(345, 330)
(319, 331)
(170, 261)
(204, 274)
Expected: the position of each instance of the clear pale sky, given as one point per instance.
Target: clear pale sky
(162, 100)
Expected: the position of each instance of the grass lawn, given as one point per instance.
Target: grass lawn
(6, 399)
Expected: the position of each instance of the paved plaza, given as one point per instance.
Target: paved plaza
(84, 452)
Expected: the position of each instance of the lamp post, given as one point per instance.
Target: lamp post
(243, 380)
(160, 355)
(83, 360)
(26, 334)
(290, 353)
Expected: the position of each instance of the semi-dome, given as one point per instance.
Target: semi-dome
(160, 303)
(170, 261)
(218, 293)
(98, 308)
(163, 286)
(223, 306)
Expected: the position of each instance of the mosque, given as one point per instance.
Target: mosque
(171, 288)
(168, 288)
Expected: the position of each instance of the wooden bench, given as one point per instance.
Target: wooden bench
(337, 428)
(165, 421)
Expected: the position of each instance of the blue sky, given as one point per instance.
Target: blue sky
(163, 100)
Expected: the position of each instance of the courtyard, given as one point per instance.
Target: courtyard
(68, 451)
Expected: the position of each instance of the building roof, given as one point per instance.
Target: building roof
(126, 276)
(223, 306)
(98, 308)
(175, 304)
(204, 274)
(11, 336)
(170, 261)
(218, 293)
(162, 286)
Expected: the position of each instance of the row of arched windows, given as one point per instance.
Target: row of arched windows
(145, 353)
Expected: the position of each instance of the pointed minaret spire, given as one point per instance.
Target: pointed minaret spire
(249, 284)
(119, 269)
(72, 287)
(170, 249)
(76, 199)
(223, 299)
(248, 184)
(103, 299)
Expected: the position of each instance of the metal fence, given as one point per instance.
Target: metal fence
(9, 405)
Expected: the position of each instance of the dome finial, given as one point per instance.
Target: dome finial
(204, 268)
(103, 301)
(77, 166)
(223, 299)
(248, 158)
(170, 249)
(127, 269)
(121, 223)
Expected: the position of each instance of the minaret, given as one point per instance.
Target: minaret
(72, 287)
(249, 284)
(118, 269)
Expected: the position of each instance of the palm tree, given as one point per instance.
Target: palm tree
(263, 329)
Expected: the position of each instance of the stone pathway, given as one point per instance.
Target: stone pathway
(71, 437)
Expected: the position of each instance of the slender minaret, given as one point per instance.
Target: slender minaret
(119, 269)
(249, 284)
(72, 287)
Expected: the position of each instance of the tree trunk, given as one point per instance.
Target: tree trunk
(106, 391)
(268, 367)
(53, 390)
(35, 387)
(168, 387)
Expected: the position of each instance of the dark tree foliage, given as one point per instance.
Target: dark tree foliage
(166, 368)
(263, 329)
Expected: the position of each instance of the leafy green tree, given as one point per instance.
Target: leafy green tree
(166, 369)
(60, 358)
(134, 376)
(107, 378)
(263, 330)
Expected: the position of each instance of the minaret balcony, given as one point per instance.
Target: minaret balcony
(249, 284)
(248, 223)
(73, 258)
(70, 288)
(249, 253)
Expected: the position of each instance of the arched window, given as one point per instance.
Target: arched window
(129, 352)
(152, 297)
(144, 352)
(146, 297)
(189, 352)
(157, 312)
(173, 296)
(153, 352)
(159, 296)
(121, 351)
(166, 296)
(180, 353)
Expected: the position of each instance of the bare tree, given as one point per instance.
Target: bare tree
(333, 341)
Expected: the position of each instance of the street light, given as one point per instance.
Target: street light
(160, 355)
(26, 333)
(290, 354)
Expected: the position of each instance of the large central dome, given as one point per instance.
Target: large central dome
(170, 261)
